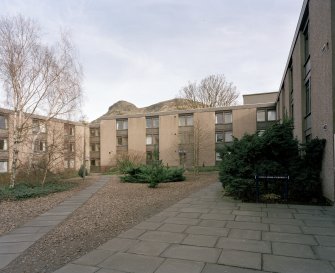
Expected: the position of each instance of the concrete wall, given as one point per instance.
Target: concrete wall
(206, 123)
(137, 138)
(322, 86)
(244, 121)
(260, 98)
(168, 139)
(107, 142)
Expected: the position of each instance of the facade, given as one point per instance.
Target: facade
(181, 137)
(308, 84)
(59, 143)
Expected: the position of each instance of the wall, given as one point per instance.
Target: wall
(244, 121)
(107, 143)
(137, 138)
(260, 98)
(168, 140)
(206, 123)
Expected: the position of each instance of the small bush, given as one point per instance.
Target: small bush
(82, 172)
(153, 174)
(127, 161)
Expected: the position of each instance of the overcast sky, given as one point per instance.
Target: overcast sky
(144, 51)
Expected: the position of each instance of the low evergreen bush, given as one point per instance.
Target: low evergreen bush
(153, 174)
(24, 191)
(276, 152)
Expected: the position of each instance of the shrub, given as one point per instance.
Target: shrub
(125, 161)
(24, 191)
(153, 174)
(276, 152)
(82, 172)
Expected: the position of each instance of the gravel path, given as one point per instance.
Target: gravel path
(113, 209)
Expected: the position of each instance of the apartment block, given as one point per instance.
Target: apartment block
(179, 137)
(308, 84)
(59, 143)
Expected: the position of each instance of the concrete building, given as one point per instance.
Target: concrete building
(182, 137)
(308, 84)
(60, 141)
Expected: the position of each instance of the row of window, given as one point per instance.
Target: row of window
(187, 120)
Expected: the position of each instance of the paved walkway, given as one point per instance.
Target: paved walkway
(204, 233)
(15, 242)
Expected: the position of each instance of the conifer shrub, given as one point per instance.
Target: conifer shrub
(277, 153)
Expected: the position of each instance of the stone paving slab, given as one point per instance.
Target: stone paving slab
(15, 242)
(205, 233)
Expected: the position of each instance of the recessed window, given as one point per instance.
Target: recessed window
(149, 140)
(3, 166)
(95, 147)
(152, 122)
(3, 122)
(223, 118)
(228, 136)
(186, 120)
(261, 115)
(218, 137)
(122, 141)
(152, 139)
(3, 145)
(40, 146)
(71, 163)
(272, 115)
(71, 147)
(122, 124)
(94, 132)
(39, 126)
(218, 157)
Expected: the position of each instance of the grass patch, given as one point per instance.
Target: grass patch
(24, 191)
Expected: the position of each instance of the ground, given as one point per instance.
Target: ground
(113, 209)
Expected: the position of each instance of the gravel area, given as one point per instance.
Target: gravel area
(16, 213)
(113, 209)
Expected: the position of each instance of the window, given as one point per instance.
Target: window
(40, 146)
(149, 140)
(95, 147)
(223, 118)
(228, 136)
(218, 157)
(95, 162)
(152, 122)
(272, 115)
(219, 137)
(39, 126)
(260, 115)
(3, 145)
(3, 122)
(219, 118)
(122, 141)
(94, 132)
(71, 133)
(152, 139)
(186, 120)
(306, 42)
(228, 117)
(71, 147)
(71, 163)
(3, 166)
(122, 124)
(308, 97)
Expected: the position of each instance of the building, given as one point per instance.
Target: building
(58, 143)
(182, 137)
(307, 90)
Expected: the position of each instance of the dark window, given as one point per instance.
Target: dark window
(3, 122)
(308, 97)
(3, 145)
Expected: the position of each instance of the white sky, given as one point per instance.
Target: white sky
(144, 51)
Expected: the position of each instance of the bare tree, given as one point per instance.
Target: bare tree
(213, 91)
(37, 79)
